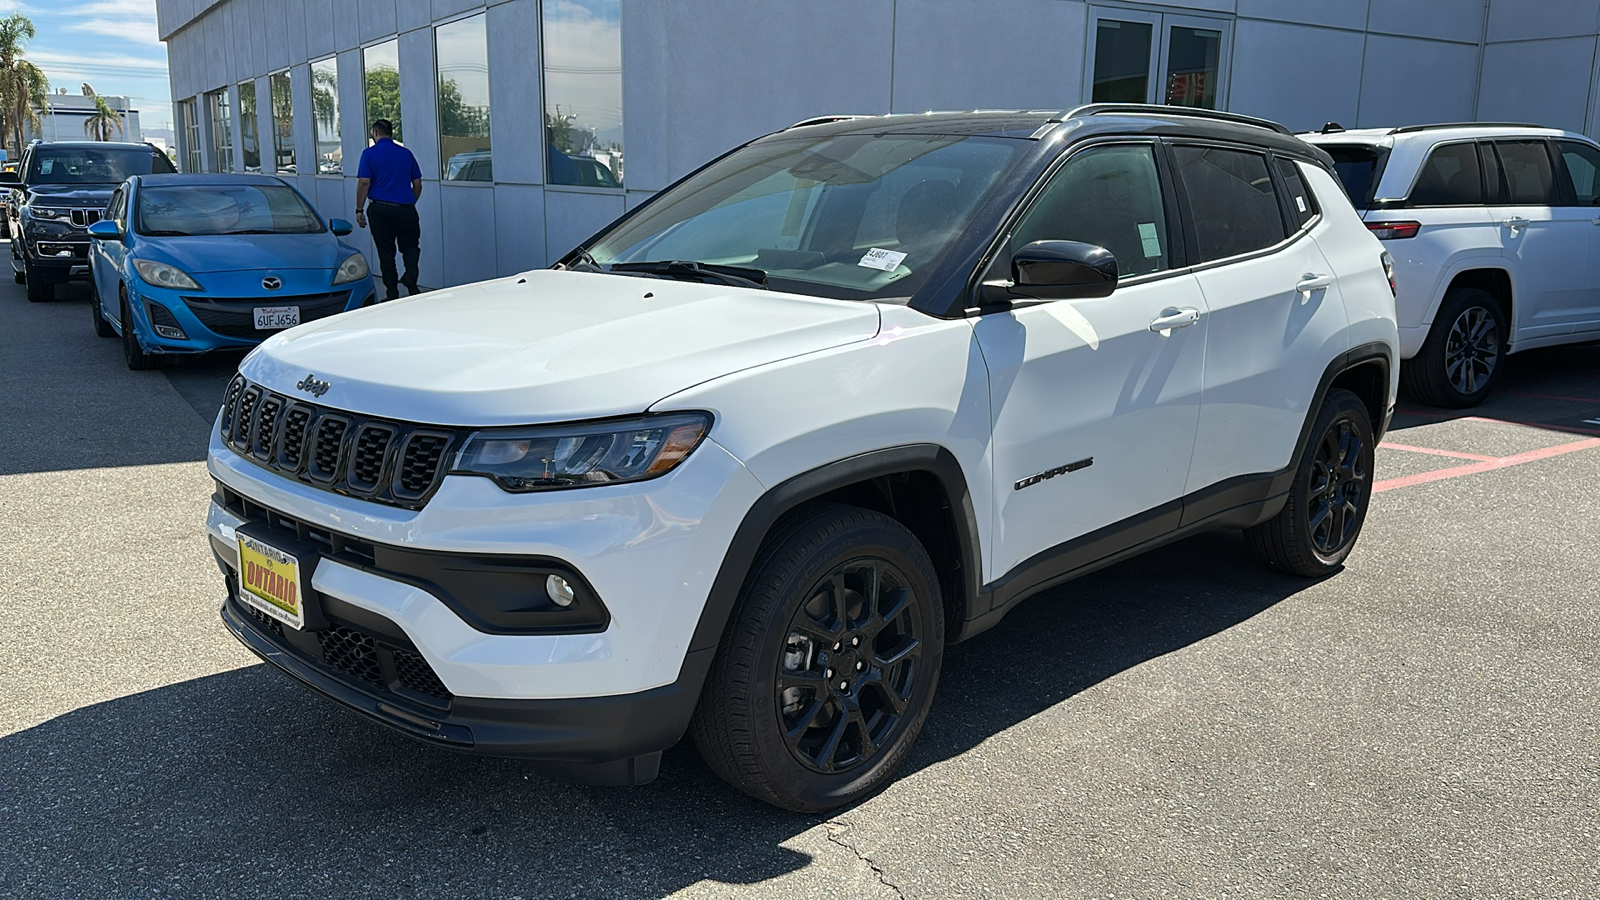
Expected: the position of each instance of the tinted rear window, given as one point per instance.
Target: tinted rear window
(1450, 177)
(1355, 166)
(1231, 199)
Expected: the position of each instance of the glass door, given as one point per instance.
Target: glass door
(1143, 57)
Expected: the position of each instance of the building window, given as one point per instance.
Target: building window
(189, 118)
(221, 115)
(325, 112)
(249, 140)
(381, 65)
(462, 49)
(583, 92)
(282, 123)
(1140, 57)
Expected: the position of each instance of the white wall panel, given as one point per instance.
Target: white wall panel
(1280, 72)
(1410, 81)
(1450, 20)
(1545, 82)
(935, 66)
(516, 126)
(305, 136)
(353, 131)
(646, 116)
(417, 101)
(445, 8)
(377, 18)
(518, 228)
(468, 233)
(330, 198)
(346, 24)
(320, 37)
(572, 216)
(260, 35)
(1333, 13)
(264, 123)
(293, 13)
(1518, 20)
(431, 261)
(410, 14)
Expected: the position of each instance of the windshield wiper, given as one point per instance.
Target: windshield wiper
(687, 269)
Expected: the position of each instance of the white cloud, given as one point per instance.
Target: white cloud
(137, 31)
(43, 58)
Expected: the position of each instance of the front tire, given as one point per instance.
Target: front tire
(825, 676)
(102, 328)
(1464, 354)
(39, 291)
(1318, 526)
(132, 353)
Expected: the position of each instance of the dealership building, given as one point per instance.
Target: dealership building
(538, 121)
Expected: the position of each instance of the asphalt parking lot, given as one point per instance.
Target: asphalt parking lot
(1422, 724)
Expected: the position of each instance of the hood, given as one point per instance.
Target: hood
(236, 252)
(95, 196)
(548, 346)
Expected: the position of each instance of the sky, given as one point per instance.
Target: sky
(111, 44)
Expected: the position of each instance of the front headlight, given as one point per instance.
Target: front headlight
(49, 212)
(163, 275)
(552, 457)
(352, 269)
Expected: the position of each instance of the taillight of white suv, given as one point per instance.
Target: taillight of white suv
(1394, 231)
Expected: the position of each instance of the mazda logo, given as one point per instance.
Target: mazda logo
(271, 282)
(311, 385)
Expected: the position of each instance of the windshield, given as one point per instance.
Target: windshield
(209, 209)
(1355, 166)
(857, 216)
(92, 165)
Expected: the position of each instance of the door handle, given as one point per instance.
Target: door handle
(1173, 318)
(1516, 223)
(1311, 281)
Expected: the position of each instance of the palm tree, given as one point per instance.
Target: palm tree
(102, 120)
(22, 85)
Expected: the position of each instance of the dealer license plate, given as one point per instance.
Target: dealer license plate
(274, 318)
(269, 580)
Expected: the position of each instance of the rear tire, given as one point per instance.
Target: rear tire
(827, 670)
(132, 353)
(1318, 526)
(1464, 354)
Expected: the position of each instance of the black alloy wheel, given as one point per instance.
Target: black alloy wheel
(828, 667)
(848, 667)
(1327, 505)
(1464, 353)
(133, 354)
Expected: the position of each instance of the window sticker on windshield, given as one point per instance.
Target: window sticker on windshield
(46, 165)
(887, 260)
(1148, 237)
(1300, 202)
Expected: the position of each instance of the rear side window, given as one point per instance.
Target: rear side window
(1583, 171)
(1108, 196)
(1525, 178)
(1355, 166)
(1450, 177)
(1230, 199)
(1302, 206)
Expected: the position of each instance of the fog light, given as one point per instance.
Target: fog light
(561, 593)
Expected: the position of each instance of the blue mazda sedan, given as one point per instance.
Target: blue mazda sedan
(185, 264)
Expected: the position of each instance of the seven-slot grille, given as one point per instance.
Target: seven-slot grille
(397, 463)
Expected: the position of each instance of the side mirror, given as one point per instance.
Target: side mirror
(1056, 270)
(340, 227)
(105, 230)
(10, 178)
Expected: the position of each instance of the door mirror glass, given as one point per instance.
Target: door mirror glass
(105, 230)
(340, 227)
(1064, 270)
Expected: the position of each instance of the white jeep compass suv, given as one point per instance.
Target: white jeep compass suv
(1492, 228)
(744, 463)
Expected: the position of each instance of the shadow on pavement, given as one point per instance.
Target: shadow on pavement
(1556, 388)
(243, 780)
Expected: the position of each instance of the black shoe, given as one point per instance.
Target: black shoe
(412, 289)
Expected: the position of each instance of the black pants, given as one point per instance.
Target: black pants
(395, 223)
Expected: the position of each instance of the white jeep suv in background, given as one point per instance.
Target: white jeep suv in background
(744, 463)
(1493, 232)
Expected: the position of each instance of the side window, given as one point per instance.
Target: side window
(1302, 205)
(1525, 175)
(1583, 171)
(114, 208)
(1231, 200)
(1110, 196)
(1450, 177)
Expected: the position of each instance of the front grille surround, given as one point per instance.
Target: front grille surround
(368, 457)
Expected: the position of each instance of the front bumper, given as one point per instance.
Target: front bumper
(215, 331)
(54, 252)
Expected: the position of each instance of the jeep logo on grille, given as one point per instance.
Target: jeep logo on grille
(272, 282)
(311, 385)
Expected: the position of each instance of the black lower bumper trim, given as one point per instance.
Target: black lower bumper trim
(616, 739)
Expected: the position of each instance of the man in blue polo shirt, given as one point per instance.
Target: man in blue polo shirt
(389, 183)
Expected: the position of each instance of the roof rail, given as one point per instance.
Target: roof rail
(1153, 109)
(822, 120)
(1407, 129)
